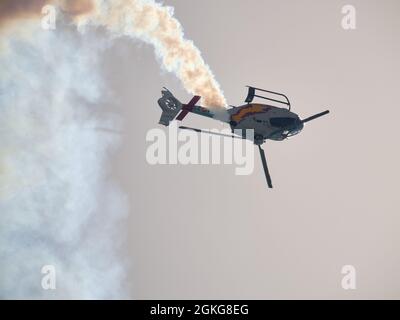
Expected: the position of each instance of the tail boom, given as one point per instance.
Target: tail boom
(172, 107)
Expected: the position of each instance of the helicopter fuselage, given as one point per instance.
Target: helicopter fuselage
(268, 122)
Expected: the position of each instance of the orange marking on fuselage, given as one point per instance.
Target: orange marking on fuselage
(248, 110)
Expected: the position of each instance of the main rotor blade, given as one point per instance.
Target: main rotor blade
(210, 132)
(265, 166)
(315, 116)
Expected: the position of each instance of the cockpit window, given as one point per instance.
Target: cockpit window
(282, 122)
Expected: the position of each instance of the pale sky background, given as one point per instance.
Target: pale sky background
(203, 232)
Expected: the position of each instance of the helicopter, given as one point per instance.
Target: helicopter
(272, 121)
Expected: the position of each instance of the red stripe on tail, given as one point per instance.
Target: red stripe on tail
(187, 108)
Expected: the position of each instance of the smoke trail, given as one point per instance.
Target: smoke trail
(55, 206)
(155, 24)
(146, 20)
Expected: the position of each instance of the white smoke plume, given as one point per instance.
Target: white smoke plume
(52, 169)
(55, 206)
(146, 20)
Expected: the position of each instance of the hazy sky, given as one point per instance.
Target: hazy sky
(201, 231)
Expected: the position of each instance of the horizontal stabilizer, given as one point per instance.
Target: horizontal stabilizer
(188, 107)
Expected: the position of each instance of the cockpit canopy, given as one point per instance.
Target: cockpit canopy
(286, 126)
(283, 122)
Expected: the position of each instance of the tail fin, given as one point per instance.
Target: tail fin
(170, 107)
